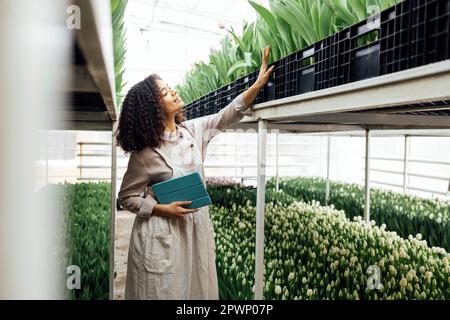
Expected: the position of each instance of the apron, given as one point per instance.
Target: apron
(170, 257)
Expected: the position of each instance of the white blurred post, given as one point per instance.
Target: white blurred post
(112, 227)
(367, 179)
(260, 202)
(327, 187)
(34, 56)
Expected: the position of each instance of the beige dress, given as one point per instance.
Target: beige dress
(173, 258)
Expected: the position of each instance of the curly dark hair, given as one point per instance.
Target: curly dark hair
(142, 120)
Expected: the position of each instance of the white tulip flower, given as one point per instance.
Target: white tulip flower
(291, 276)
(395, 254)
(403, 282)
(278, 290)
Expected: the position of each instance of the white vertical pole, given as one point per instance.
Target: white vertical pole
(367, 179)
(405, 164)
(327, 188)
(112, 227)
(260, 202)
(277, 180)
(235, 157)
(81, 160)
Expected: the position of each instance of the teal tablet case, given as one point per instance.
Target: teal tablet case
(186, 188)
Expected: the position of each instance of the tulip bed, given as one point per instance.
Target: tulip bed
(405, 214)
(224, 195)
(86, 210)
(314, 252)
(89, 230)
(311, 252)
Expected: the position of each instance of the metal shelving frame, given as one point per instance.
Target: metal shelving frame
(391, 103)
(92, 103)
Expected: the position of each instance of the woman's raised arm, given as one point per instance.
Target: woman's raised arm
(238, 108)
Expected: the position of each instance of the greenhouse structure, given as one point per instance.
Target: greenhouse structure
(335, 186)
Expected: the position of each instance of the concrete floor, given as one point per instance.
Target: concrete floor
(124, 224)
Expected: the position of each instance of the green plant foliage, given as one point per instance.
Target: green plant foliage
(118, 8)
(405, 214)
(225, 195)
(311, 252)
(286, 26)
(87, 208)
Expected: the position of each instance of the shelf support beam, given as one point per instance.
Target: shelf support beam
(277, 180)
(367, 179)
(112, 227)
(327, 188)
(260, 203)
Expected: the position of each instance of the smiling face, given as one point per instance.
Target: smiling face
(170, 100)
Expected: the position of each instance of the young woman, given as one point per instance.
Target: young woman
(172, 249)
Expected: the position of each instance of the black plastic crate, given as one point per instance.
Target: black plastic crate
(212, 104)
(187, 110)
(395, 38)
(231, 92)
(414, 33)
(226, 96)
(429, 29)
(207, 106)
(198, 108)
(243, 83)
(219, 99)
(304, 70)
(202, 107)
(410, 34)
(362, 59)
(247, 81)
(290, 87)
(193, 109)
(286, 78)
(330, 61)
(281, 78)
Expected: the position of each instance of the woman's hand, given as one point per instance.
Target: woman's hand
(263, 77)
(173, 209)
(264, 74)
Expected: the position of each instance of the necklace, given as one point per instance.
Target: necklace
(173, 137)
